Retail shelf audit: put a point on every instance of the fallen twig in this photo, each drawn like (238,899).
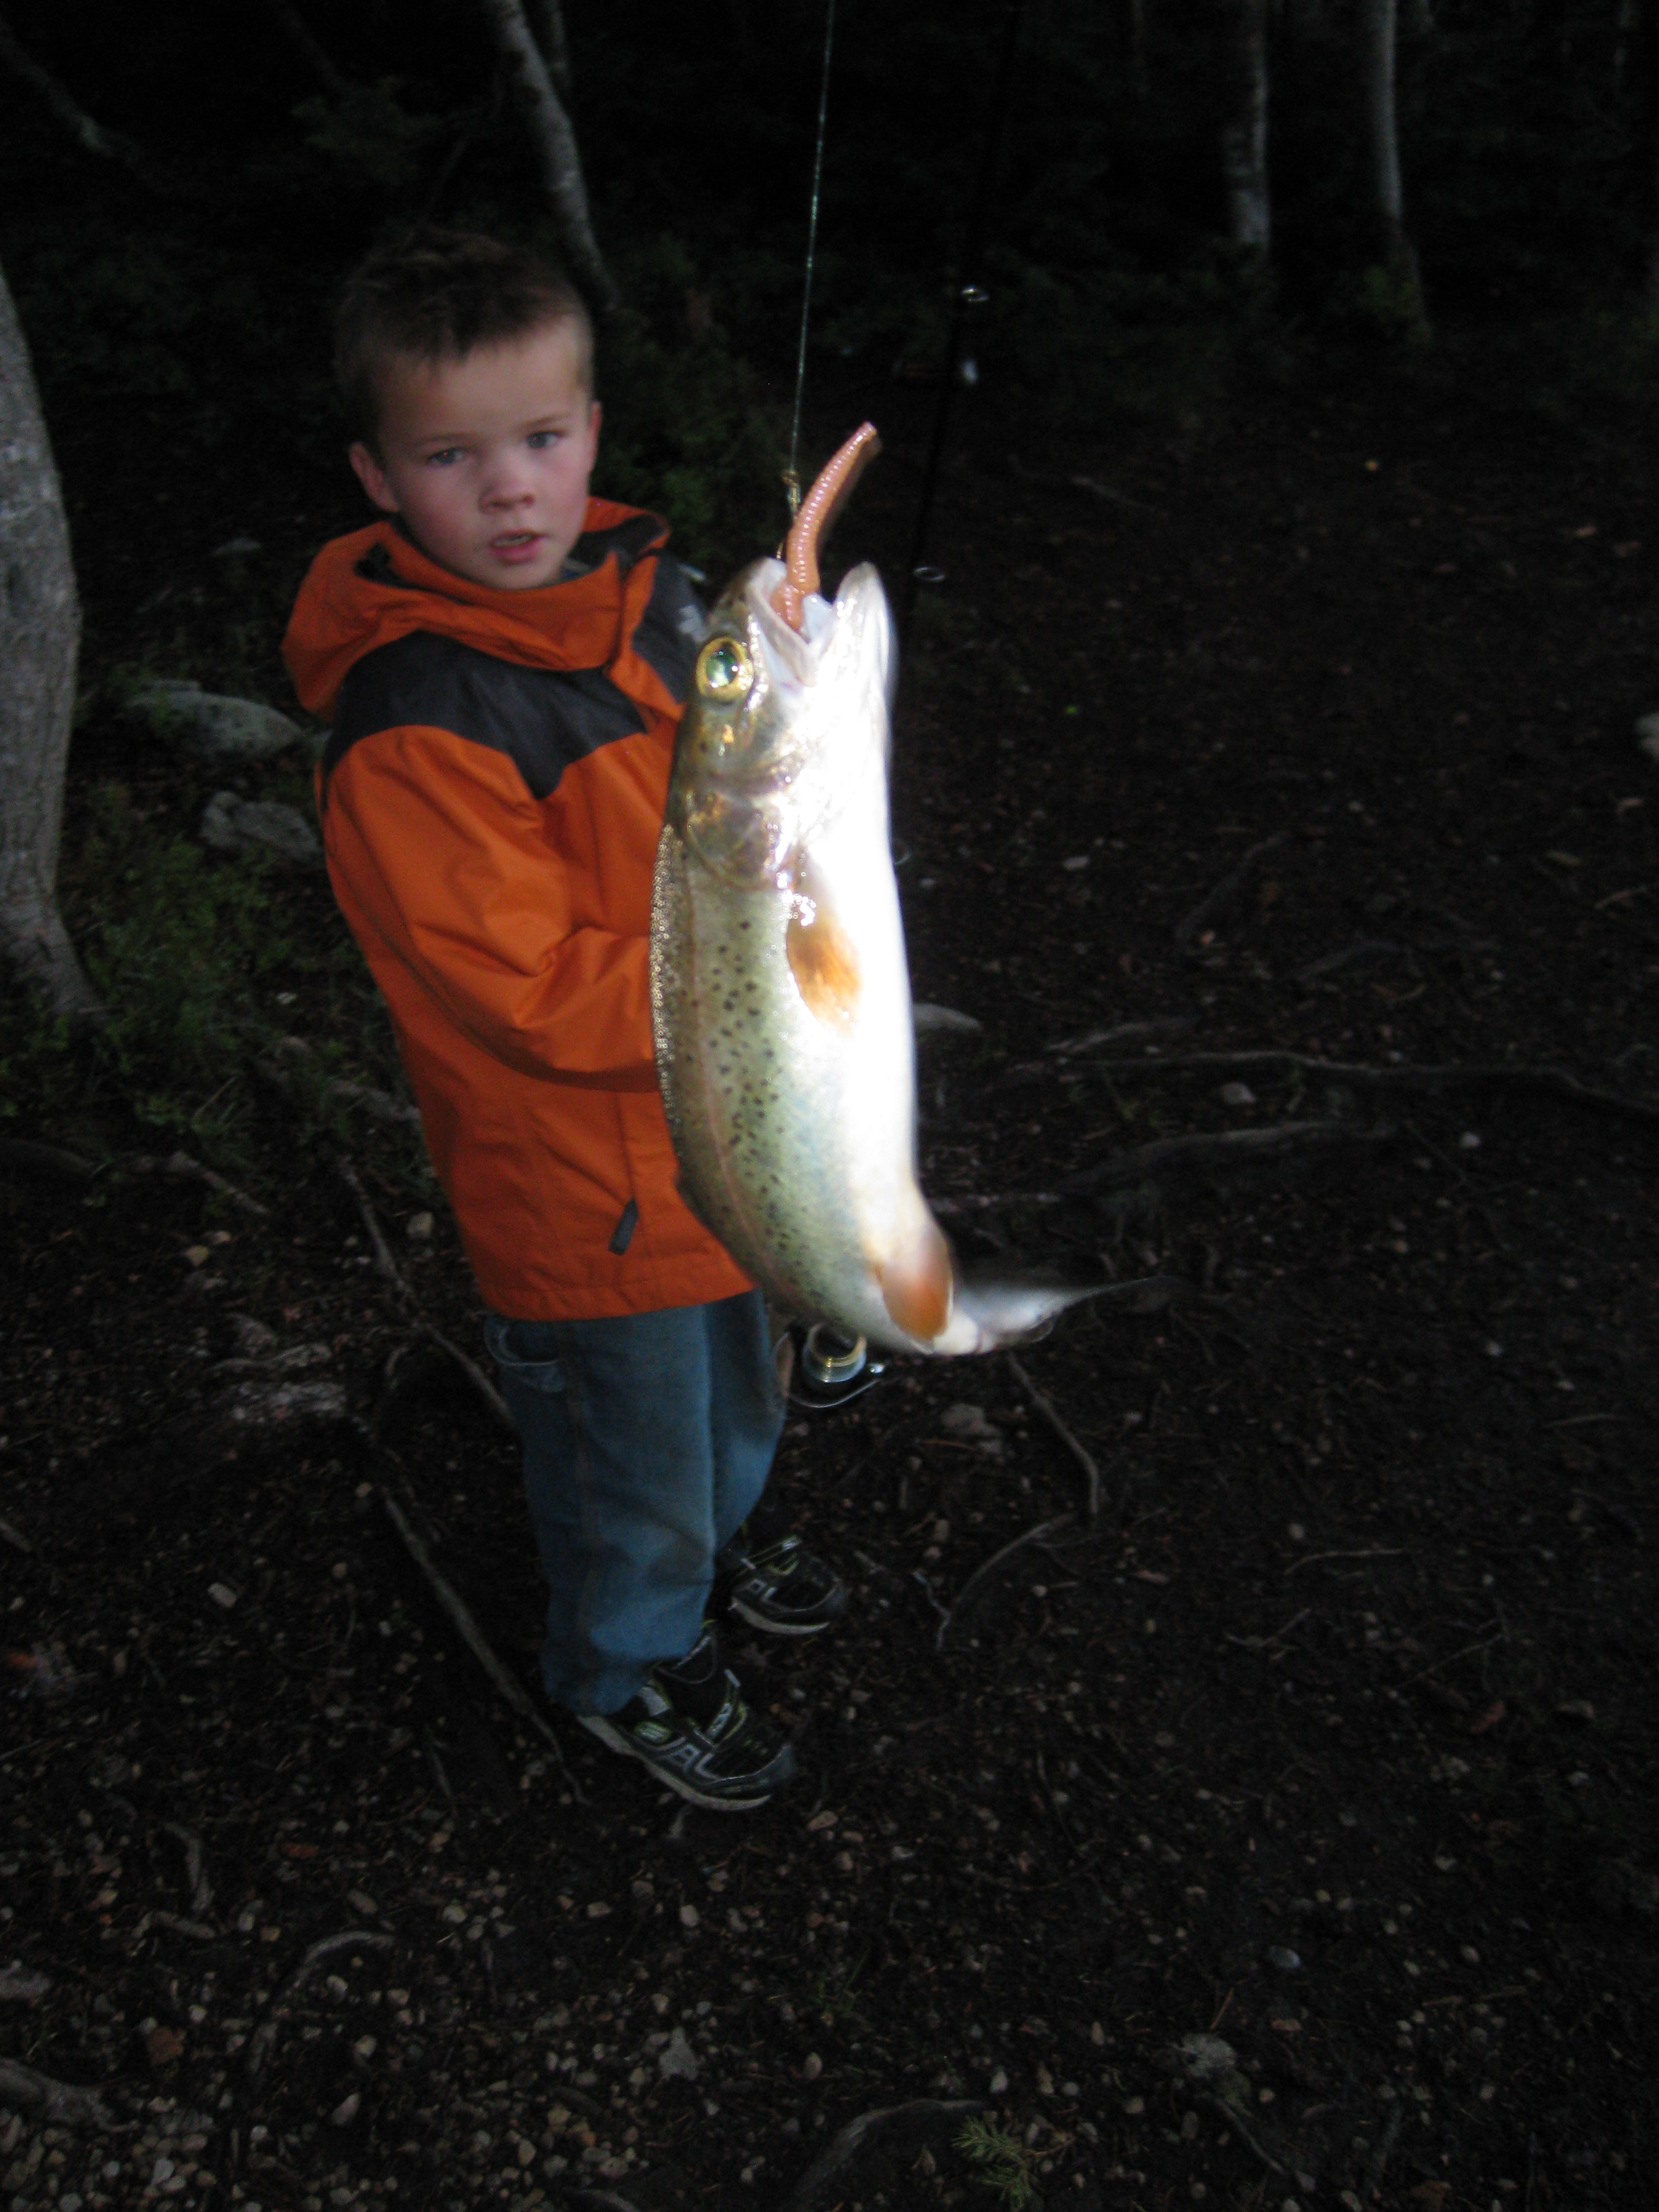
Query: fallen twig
(183,1168)
(15,1537)
(384,1262)
(1225,892)
(197,1930)
(56,1159)
(810,2188)
(1379,2158)
(1124,1033)
(64,2103)
(474,1374)
(1312,1559)
(1227,1147)
(1233,2119)
(1552,1081)
(1084,1459)
(1032,1536)
(474,1639)
(1265,1642)
(201,1889)
(264,2040)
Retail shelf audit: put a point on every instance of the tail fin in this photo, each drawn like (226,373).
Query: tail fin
(994,1306)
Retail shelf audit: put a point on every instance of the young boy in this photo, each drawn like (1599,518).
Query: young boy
(503,659)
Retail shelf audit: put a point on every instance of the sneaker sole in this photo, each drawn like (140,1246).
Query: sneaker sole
(597,1725)
(769,1625)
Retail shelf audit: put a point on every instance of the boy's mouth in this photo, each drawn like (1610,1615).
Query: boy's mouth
(513,542)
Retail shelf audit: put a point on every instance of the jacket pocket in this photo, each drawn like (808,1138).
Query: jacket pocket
(524,1350)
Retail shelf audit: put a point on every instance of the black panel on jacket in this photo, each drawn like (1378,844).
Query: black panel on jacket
(544,720)
(671,628)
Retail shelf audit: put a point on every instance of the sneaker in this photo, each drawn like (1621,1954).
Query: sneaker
(690,1725)
(781,1589)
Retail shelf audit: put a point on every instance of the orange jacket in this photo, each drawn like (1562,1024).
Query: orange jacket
(491,798)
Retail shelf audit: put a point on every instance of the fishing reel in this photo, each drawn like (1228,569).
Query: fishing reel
(831,1368)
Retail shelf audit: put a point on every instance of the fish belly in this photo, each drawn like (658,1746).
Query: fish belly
(792,1107)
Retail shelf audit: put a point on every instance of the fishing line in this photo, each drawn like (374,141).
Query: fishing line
(967,295)
(791,474)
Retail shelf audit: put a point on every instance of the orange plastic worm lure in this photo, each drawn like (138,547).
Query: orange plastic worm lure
(818,513)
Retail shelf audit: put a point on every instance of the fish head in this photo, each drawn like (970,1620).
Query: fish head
(782,726)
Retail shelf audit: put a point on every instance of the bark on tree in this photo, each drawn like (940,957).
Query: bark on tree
(1379,41)
(1244,134)
(39,636)
(63,103)
(555,144)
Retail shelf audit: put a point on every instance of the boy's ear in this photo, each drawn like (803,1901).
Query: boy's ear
(372,479)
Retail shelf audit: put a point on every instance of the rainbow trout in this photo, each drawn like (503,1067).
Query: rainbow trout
(780,994)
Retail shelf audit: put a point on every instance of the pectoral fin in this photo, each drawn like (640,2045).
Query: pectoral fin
(917,1284)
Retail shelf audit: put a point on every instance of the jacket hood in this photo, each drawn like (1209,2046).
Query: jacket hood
(375,585)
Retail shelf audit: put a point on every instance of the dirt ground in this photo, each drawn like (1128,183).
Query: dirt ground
(1284,1836)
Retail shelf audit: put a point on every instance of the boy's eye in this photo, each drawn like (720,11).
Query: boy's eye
(539,439)
(442,459)
(723,671)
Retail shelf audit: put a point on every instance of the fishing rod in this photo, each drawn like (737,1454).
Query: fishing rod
(968,295)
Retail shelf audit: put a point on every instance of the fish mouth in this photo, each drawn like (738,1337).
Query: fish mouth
(854,626)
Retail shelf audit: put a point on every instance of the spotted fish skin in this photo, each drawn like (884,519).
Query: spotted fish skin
(780,992)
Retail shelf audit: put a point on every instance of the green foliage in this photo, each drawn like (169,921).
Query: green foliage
(368,140)
(687,432)
(175,942)
(1004,2166)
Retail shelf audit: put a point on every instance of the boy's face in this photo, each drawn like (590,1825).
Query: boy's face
(487,458)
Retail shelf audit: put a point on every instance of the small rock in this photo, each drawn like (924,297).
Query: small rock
(1468,1142)
(418,1228)
(690,1916)
(346,2110)
(962,1420)
(812,2066)
(361,1901)
(1647,736)
(236,549)
(214,727)
(1286,1961)
(1076,865)
(677,2061)
(999,2082)
(1238,1094)
(253,1338)
(161,2046)
(231,825)
(820,1822)
(221,1593)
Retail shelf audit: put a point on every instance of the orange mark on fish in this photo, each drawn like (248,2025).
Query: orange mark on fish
(824,963)
(918,1283)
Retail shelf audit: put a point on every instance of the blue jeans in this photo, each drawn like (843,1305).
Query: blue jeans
(647,1440)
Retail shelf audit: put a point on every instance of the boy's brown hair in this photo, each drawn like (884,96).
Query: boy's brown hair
(433,295)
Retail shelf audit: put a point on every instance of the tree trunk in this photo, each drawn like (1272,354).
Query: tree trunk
(1244,135)
(1378,34)
(555,143)
(39,634)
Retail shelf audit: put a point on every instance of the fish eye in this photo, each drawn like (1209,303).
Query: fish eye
(725,671)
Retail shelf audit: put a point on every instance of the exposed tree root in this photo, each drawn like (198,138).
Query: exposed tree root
(1035,1535)
(1085,1458)
(264,2040)
(1225,892)
(475,1640)
(810,2191)
(62,2102)
(1499,1075)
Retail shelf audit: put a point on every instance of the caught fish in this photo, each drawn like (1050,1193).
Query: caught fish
(780,994)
